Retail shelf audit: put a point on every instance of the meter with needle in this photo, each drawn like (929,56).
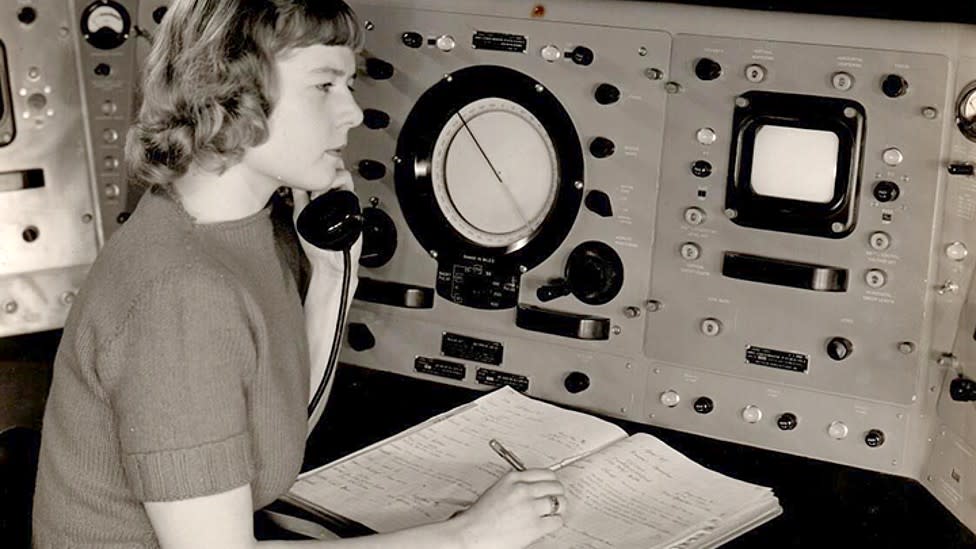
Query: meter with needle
(489,179)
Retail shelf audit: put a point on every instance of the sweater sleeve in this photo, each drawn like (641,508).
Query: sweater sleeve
(181,361)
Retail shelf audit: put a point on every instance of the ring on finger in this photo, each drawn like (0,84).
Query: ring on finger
(553,506)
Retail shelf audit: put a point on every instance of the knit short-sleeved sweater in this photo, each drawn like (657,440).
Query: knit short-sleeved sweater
(182,372)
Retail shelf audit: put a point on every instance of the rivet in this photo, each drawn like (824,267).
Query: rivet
(642,51)
(10,307)
(369,25)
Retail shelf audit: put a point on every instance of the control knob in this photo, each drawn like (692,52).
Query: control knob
(581,55)
(607,94)
(874,438)
(601,147)
(371,170)
(594,274)
(707,69)
(576,382)
(377,69)
(886,191)
(894,85)
(839,348)
(379,238)
(375,119)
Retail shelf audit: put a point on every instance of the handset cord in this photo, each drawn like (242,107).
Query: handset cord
(337,338)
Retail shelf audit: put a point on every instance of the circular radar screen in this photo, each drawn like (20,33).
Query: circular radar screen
(489,173)
(494,173)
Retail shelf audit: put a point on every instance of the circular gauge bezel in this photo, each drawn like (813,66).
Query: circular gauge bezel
(415,156)
(439,166)
(105,40)
(967,126)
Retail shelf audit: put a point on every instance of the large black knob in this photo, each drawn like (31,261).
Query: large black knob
(27,15)
(962,389)
(159,13)
(377,69)
(577,382)
(886,191)
(894,85)
(379,238)
(375,119)
(412,39)
(594,273)
(599,203)
(874,438)
(371,170)
(581,55)
(606,94)
(839,348)
(707,69)
(359,337)
(601,147)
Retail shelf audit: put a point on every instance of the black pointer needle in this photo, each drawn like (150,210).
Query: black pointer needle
(508,192)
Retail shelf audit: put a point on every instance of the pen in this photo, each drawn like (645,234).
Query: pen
(507,455)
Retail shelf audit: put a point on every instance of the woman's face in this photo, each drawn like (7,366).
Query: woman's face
(313,112)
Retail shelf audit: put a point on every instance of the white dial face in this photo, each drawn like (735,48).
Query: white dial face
(967,109)
(106,17)
(494,172)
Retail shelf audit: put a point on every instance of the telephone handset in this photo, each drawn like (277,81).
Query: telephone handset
(333,221)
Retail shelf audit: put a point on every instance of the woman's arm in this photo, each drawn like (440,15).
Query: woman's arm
(510,515)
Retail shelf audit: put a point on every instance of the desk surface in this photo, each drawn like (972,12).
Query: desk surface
(824,505)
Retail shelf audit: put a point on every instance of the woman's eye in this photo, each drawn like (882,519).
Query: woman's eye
(325,87)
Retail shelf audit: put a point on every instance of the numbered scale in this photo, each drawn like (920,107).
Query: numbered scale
(490,180)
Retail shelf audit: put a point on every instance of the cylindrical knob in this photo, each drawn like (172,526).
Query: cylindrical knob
(607,94)
(445,43)
(412,39)
(839,348)
(377,69)
(601,147)
(701,168)
(894,85)
(371,170)
(962,389)
(752,414)
(886,191)
(670,398)
(576,382)
(707,69)
(704,405)
(375,119)
(360,337)
(837,430)
(786,421)
(874,438)
(582,55)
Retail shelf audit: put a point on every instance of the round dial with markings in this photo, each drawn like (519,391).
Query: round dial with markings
(494,172)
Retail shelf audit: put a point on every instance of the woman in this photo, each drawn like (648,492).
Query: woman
(178,404)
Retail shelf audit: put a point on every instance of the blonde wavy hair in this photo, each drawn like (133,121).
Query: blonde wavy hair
(208,86)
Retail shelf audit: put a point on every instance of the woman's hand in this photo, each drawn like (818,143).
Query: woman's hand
(516,511)
(319,258)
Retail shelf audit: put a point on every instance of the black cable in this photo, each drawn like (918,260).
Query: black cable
(337,338)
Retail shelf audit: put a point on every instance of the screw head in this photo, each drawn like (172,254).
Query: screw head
(10,307)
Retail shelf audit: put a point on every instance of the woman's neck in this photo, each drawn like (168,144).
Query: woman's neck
(212,198)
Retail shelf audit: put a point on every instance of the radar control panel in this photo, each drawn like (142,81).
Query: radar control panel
(750,226)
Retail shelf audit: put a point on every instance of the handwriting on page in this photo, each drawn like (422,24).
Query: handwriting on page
(427,475)
(639,493)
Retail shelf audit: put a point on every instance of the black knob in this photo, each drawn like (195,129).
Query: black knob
(377,69)
(103,69)
(598,202)
(839,348)
(601,147)
(556,288)
(886,191)
(581,55)
(962,389)
(371,170)
(577,382)
(707,69)
(703,405)
(874,438)
(379,238)
(375,119)
(594,272)
(894,85)
(701,168)
(786,422)
(122,217)
(27,15)
(961,168)
(359,336)
(607,94)
(159,13)
(412,39)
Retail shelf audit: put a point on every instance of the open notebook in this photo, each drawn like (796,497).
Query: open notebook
(622,491)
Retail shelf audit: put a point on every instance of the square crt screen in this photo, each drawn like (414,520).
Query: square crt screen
(795,163)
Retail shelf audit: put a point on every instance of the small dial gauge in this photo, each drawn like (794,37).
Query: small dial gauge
(494,173)
(105,24)
(966,112)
